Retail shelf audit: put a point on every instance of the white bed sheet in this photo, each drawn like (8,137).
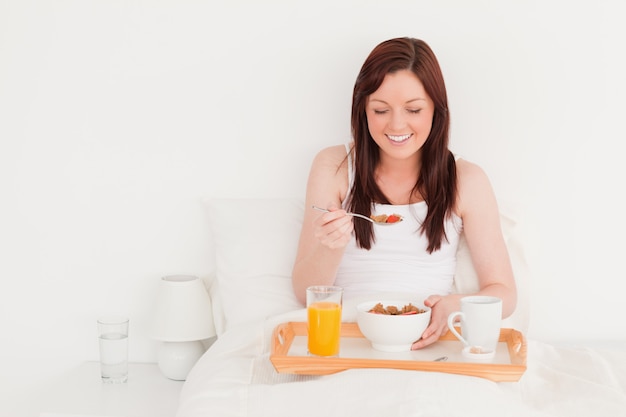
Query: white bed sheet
(236,378)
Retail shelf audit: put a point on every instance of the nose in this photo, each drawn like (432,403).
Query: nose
(397,121)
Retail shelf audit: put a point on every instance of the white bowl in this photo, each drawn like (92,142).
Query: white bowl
(392,333)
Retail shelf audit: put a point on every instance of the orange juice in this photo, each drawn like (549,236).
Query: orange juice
(324,328)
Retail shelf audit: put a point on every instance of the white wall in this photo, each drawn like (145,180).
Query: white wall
(116,117)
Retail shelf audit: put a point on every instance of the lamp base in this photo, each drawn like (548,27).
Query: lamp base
(176,359)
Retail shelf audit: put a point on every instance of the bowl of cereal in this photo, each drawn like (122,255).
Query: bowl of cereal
(392,325)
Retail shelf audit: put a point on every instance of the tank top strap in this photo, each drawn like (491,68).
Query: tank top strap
(350,166)
(350,174)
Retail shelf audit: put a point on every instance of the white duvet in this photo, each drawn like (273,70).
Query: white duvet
(236,378)
(253,263)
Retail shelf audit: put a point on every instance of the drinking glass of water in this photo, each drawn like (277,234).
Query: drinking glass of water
(113,337)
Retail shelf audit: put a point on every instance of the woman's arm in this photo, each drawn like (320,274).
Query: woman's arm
(483,233)
(478,208)
(324,236)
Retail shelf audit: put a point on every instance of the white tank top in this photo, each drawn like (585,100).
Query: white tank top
(398,261)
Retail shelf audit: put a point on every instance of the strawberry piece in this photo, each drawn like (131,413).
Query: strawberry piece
(393,218)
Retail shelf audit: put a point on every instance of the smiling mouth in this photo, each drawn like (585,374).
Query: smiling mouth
(399,138)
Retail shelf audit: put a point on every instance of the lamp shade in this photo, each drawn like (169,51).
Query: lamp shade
(183,310)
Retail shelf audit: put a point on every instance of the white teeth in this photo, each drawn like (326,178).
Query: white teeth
(399,138)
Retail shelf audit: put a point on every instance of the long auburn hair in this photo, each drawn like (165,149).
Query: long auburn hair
(437,181)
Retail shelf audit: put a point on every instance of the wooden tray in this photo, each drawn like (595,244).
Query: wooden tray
(289,355)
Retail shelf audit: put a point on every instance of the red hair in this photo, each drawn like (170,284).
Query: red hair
(437,178)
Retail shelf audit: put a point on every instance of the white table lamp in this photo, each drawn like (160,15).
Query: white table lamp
(182,319)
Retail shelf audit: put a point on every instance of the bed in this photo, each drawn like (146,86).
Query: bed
(253,248)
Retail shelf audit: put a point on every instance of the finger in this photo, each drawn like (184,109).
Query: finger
(431,330)
(344,233)
(432,333)
(338,227)
(432,300)
(336,233)
(424,341)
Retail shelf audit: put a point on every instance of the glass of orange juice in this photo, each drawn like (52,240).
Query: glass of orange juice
(324,319)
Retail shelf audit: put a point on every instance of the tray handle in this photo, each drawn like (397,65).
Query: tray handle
(517,347)
(281,338)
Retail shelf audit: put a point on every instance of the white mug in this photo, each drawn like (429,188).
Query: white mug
(481,319)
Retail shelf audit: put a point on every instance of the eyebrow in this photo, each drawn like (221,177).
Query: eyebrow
(408,101)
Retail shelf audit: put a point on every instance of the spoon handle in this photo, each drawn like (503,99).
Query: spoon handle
(348,213)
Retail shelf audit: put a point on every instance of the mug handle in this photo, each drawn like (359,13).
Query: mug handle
(451,318)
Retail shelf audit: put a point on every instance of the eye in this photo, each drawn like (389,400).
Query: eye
(414,111)
(380,111)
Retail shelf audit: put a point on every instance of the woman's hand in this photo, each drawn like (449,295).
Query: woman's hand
(441,307)
(333,229)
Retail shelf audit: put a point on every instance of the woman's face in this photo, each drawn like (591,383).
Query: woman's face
(400,114)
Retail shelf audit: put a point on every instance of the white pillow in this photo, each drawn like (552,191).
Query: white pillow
(255,242)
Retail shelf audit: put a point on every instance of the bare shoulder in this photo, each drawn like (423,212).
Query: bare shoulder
(328,179)
(474,187)
(332,155)
(330,162)
(469,172)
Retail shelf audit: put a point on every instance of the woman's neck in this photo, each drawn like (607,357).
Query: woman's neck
(397,179)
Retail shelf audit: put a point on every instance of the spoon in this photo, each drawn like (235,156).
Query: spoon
(360,216)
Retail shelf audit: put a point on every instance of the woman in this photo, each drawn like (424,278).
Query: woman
(399,163)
